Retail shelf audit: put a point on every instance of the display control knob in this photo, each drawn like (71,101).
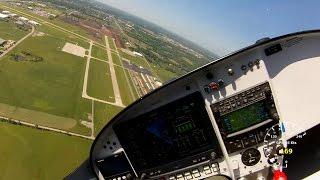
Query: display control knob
(250,64)
(220,82)
(230,72)
(243,67)
(257,62)
(207,89)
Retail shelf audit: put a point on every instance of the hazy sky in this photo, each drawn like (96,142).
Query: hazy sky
(224,26)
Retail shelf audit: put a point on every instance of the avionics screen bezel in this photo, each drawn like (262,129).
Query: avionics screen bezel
(235,129)
(237,102)
(202,120)
(112,161)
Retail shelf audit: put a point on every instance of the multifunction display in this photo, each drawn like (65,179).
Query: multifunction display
(176,135)
(244,118)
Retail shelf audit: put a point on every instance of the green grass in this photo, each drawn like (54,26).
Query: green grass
(136,96)
(9,31)
(123,86)
(67,37)
(139,61)
(36,117)
(115,58)
(163,74)
(52,86)
(99,81)
(103,113)
(99,53)
(111,44)
(28,153)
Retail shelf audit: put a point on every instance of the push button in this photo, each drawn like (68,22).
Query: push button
(196,173)
(180,177)
(188,175)
(207,170)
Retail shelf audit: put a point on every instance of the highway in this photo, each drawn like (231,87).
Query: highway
(17,43)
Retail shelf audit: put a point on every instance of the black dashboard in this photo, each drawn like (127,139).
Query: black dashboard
(176,135)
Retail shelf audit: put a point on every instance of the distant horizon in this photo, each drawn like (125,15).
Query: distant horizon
(170,31)
(222,27)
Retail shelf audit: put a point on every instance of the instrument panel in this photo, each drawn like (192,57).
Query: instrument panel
(231,118)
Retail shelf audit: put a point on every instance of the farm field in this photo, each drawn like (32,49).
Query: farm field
(99,83)
(28,153)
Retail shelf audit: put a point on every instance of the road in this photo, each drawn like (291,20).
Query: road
(115,85)
(45,128)
(17,43)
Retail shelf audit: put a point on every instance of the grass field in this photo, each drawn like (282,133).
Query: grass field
(111,43)
(99,82)
(132,85)
(99,53)
(163,74)
(52,86)
(28,153)
(123,86)
(103,113)
(8,30)
(115,58)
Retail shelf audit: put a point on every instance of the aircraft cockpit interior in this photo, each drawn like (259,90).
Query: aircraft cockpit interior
(253,114)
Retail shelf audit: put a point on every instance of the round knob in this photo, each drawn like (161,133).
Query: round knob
(279,175)
(243,67)
(230,72)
